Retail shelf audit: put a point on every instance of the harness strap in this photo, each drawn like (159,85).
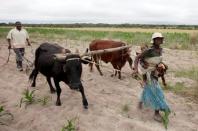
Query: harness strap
(70,59)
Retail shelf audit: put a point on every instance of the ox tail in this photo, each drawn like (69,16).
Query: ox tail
(130,61)
(91,61)
(37,53)
(34,71)
(31,77)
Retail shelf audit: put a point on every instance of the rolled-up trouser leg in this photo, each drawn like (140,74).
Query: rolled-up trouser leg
(19,57)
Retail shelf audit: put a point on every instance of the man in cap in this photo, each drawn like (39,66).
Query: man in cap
(17,38)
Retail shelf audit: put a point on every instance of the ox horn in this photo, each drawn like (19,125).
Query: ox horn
(60,56)
(105,50)
(77,51)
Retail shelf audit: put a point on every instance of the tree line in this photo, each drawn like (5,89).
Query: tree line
(81,25)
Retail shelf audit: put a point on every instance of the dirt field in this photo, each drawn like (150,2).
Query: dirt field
(108,98)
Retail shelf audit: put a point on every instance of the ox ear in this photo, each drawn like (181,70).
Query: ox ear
(86,60)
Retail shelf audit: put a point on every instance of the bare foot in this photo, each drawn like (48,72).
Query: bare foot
(158,118)
(140,105)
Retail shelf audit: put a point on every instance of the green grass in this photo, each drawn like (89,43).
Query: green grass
(190,92)
(27,98)
(165,118)
(70,125)
(1,109)
(176,40)
(178,88)
(3,112)
(125,108)
(44,101)
(191,74)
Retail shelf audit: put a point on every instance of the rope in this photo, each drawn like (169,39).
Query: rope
(103,66)
(32,50)
(29,64)
(70,59)
(24,58)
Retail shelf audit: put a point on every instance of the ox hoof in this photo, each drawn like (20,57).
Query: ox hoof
(58,103)
(33,85)
(121,78)
(53,91)
(85,104)
(112,75)
(85,107)
(101,74)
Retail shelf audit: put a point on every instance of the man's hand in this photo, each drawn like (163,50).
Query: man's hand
(145,65)
(9,46)
(9,43)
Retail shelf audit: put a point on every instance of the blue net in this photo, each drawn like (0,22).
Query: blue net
(153,97)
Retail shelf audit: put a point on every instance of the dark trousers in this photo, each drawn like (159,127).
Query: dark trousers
(19,56)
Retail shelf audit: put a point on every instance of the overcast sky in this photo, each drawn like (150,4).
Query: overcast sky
(100,11)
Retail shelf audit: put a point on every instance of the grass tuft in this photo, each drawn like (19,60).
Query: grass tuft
(70,125)
(125,108)
(28,98)
(3,112)
(44,100)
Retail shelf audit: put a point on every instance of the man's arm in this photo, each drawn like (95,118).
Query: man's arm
(9,43)
(9,36)
(138,57)
(27,38)
(28,41)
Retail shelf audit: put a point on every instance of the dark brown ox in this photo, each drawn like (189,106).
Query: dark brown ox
(117,58)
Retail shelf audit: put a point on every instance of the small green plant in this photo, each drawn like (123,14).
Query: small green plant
(44,100)
(28,97)
(4,113)
(70,125)
(165,118)
(1,109)
(125,108)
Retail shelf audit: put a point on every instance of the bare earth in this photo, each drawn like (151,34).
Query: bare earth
(107,96)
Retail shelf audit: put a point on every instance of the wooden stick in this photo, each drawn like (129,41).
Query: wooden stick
(108,50)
